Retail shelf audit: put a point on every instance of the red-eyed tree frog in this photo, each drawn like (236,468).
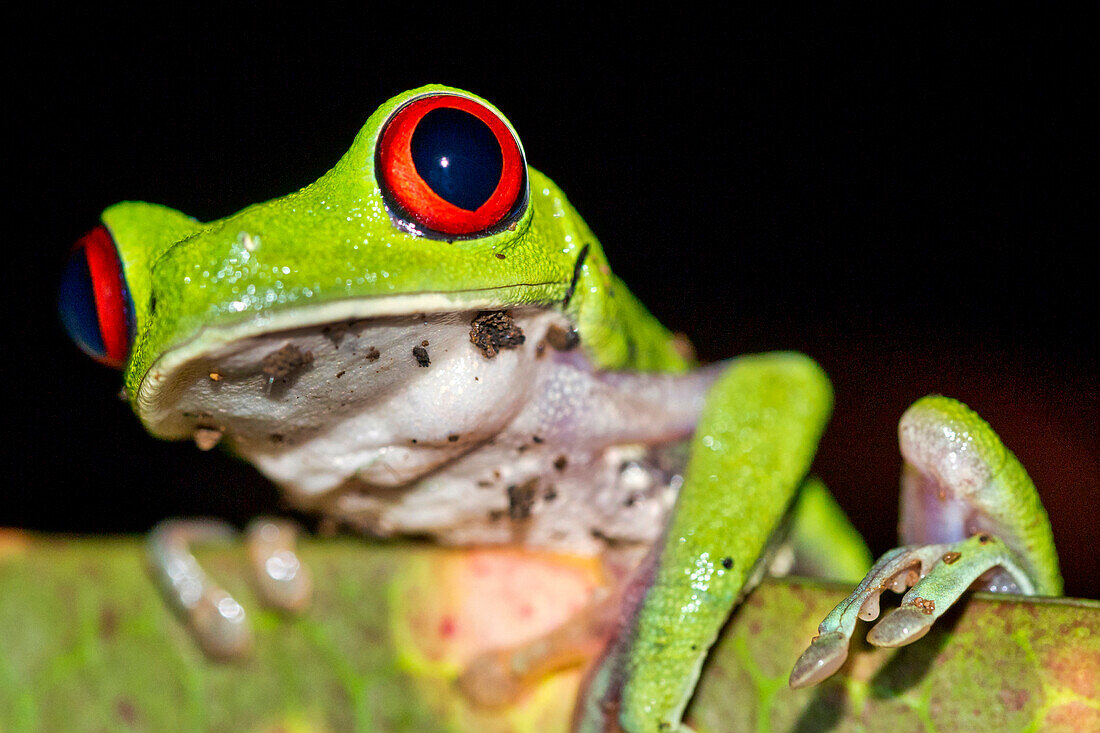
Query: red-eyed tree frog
(429,341)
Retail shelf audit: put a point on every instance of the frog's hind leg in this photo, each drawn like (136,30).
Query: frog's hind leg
(215,619)
(975,520)
(750,452)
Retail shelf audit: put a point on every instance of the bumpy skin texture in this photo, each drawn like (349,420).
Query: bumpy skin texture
(753,446)
(334,240)
(772,409)
(970,517)
(332,252)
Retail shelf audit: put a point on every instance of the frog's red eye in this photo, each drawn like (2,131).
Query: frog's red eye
(94,303)
(451,167)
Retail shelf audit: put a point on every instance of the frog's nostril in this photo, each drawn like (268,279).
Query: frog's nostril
(94,303)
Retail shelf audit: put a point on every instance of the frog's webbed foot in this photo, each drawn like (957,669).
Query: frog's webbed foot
(215,619)
(975,520)
(936,575)
(282,581)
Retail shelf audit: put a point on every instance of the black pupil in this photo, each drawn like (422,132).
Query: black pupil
(458,156)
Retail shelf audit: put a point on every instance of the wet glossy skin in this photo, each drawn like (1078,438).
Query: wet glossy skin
(502,387)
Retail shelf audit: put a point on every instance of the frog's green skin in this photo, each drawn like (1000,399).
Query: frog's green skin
(970,516)
(203,275)
(212,298)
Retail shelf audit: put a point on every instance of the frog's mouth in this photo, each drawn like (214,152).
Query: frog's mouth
(276,362)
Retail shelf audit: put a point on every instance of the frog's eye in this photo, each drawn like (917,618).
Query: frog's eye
(451,167)
(94,303)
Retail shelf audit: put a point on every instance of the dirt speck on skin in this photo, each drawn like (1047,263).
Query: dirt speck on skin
(492,331)
(335,332)
(560,463)
(925,605)
(207,437)
(286,362)
(421,356)
(521,499)
(372,354)
(562,339)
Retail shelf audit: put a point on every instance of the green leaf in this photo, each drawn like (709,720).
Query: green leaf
(86,643)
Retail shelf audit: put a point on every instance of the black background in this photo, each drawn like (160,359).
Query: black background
(904,199)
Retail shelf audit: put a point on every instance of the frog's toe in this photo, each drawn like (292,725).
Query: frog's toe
(220,626)
(957,566)
(901,627)
(282,580)
(896,570)
(214,618)
(824,656)
(939,574)
(975,520)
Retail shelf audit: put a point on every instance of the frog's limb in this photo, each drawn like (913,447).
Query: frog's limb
(933,592)
(215,618)
(752,448)
(282,581)
(974,518)
(821,541)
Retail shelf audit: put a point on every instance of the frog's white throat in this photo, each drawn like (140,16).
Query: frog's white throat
(469,426)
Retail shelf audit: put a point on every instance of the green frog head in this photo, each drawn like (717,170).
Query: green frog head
(432,210)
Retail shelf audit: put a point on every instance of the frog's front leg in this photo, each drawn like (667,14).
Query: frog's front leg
(215,619)
(970,516)
(751,450)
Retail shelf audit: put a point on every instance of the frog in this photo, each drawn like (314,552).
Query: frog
(429,342)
